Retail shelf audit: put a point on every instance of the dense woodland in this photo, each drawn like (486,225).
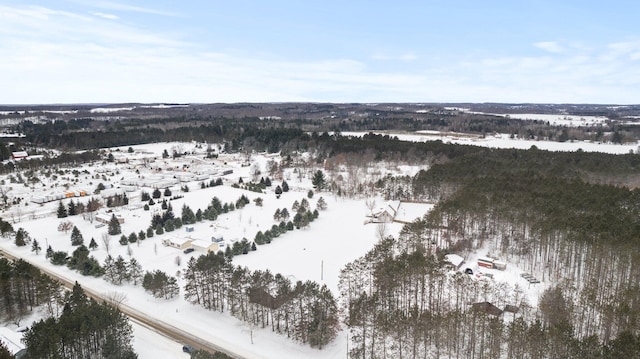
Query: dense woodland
(304,312)
(563,216)
(23,288)
(85,329)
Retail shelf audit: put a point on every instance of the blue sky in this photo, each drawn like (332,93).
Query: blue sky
(82,51)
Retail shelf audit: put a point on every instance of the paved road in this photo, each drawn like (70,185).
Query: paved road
(158,326)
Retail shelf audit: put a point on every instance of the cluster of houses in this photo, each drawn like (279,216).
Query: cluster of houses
(58,196)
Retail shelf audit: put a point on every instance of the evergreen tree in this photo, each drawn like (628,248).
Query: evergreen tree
(278,191)
(22,237)
(150,232)
(318,180)
(35,246)
(72,208)
(141,235)
(167,192)
(310,194)
(156,194)
(4,352)
(133,237)
(123,240)
(135,271)
(62,210)
(284,214)
(76,237)
(93,244)
(114,226)
(188,217)
(321,204)
(285,186)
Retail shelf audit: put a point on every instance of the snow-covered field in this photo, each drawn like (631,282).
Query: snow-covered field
(505,141)
(317,253)
(553,119)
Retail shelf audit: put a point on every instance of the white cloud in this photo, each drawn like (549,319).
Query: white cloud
(116,6)
(51,56)
(549,46)
(105,15)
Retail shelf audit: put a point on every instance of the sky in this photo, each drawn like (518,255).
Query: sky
(103,51)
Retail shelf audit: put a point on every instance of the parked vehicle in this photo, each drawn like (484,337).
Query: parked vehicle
(188,348)
(188,250)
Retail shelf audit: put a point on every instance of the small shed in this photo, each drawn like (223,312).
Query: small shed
(17,155)
(175,242)
(455,260)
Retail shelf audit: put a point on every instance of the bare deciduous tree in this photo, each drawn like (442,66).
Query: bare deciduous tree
(65,226)
(106,241)
(116,298)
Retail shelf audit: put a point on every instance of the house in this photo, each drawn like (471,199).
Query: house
(18,155)
(203,246)
(455,260)
(387,213)
(179,243)
(13,341)
(486,308)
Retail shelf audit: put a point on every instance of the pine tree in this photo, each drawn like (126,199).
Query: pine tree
(188,217)
(22,237)
(93,244)
(318,180)
(278,191)
(35,246)
(114,226)
(135,271)
(72,208)
(285,186)
(76,237)
(123,240)
(62,210)
(321,204)
(133,237)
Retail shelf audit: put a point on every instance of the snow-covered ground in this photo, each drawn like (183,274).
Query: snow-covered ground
(317,253)
(553,119)
(505,141)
